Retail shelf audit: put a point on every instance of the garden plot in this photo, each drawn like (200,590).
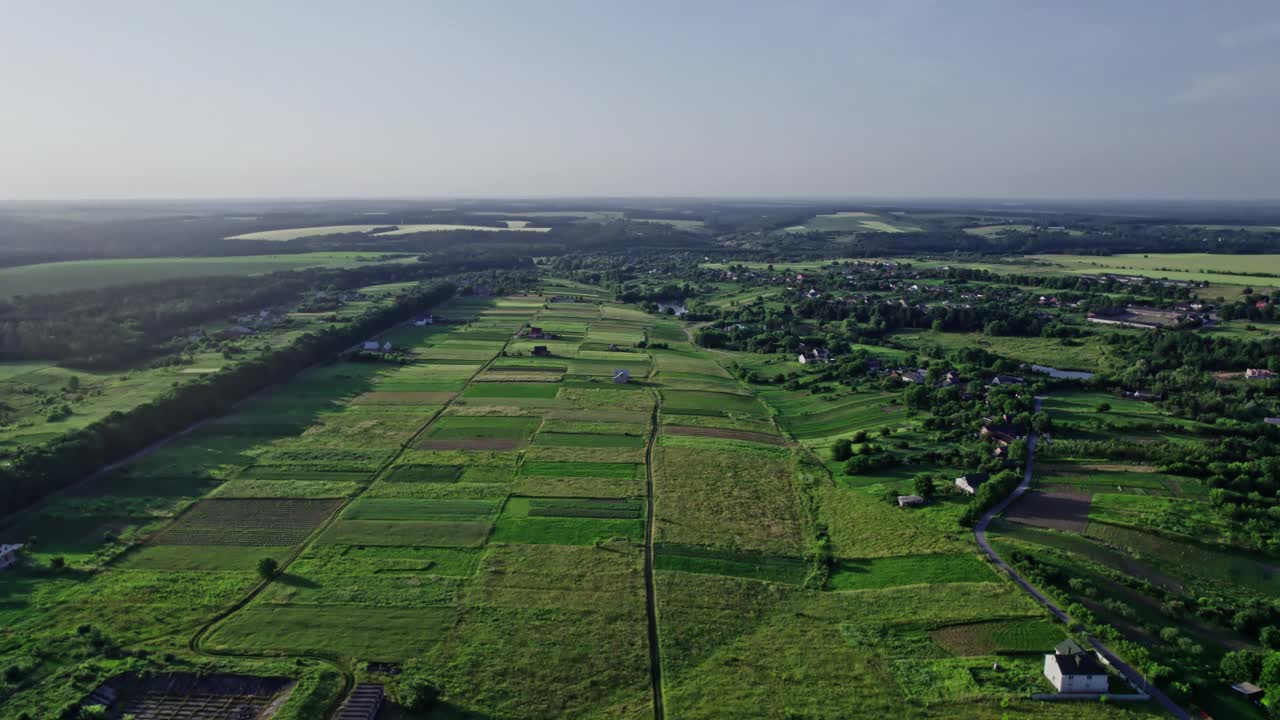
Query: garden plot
(437,533)
(723,433)
(908,570)
(511,390)
(247,522)
(694,402)
(371,633)
(562,577)
(809,417)
(742,564)
(568,521)
(1064,510)
(454,432)
(428,400)
(1000,636)
(413,509)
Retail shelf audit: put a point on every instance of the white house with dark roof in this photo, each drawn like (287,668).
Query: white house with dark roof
(1072,670)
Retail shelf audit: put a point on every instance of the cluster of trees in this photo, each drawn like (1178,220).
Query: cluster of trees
(35,471)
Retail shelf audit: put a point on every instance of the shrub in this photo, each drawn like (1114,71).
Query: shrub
(268,567)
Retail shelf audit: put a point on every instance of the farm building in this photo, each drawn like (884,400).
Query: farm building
(8,555)
(1258,374)
(1249,691)
(814,355)
(622,375)
(372,345)
(541,350)
(910,501)
(1074,671)
(909,376)
(535,333)
(428,320)
(970,482)
(1007,380)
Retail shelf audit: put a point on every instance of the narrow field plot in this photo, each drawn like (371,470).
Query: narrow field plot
(579,454)
(754,566)
(757,425)
(478,433)
(247,522)
(564,426)
(306,584)
(589,440)
(617,471)
(390,559)
(542,390)
(588,487)
(200,557)
(430,400)
(575,507)
(694,362)
(534,521)
(268,473)
(694,402)
(424,473)
(724,434)
(410,534)
(416,509)
(324,459)
(622,399)
(245,488)
(1193,519)
(1001,636)
(885,572)
(507,375)
(387,634)
(1056,510)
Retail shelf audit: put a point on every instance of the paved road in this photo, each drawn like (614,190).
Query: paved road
(980,534)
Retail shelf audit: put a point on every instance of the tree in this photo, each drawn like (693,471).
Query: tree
(924,486)
(841,449)
(411,689)
(57,563)
(1269,677)
(1104,407)
(1270,637)
(1241,665)
(268,567)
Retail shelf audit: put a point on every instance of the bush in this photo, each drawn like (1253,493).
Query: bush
(268,567)
(842,449)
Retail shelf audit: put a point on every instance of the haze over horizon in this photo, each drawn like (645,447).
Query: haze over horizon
(485,99)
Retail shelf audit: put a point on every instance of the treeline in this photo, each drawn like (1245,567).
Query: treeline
(118,326)
(37,471)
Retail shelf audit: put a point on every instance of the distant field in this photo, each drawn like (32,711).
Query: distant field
(853,221)
(91,274)
(1206,267)
(295,233)
(688,225)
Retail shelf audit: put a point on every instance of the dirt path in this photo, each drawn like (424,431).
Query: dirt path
(650,594)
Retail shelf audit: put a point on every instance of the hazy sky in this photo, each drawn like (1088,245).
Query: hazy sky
(968,98)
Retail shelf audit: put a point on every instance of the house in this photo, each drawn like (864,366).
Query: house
(1002,433)
(428,320)
(1271,420)
(535,333)
(814,355)
(8,555)
(1007,380)
(621,375)
(1075,671)
(911,376)
(372,346)
(1258,374)
(613,347)
(1249,691)
(386,346)
(952,378)
(970,482)
(873,364)
(1141,395)
(910,501)
(541,350)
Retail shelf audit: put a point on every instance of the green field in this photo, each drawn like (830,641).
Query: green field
(1212,268)
(94,274)
(295,233)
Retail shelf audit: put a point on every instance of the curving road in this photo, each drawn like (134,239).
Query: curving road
(980,534)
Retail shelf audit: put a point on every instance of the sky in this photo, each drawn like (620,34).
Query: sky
(476,98)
